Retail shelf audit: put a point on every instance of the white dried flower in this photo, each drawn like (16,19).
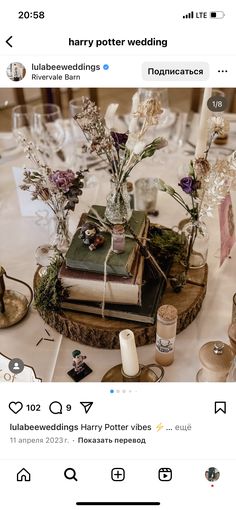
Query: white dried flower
(139,147)
(219,125)
(170,190)
(133,126)
(135,102)
(161,185)
(217,185)
(150,110)
(110,115)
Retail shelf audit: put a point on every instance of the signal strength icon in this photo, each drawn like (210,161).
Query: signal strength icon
(189,15)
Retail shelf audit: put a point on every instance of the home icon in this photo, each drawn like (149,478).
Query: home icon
(23,476)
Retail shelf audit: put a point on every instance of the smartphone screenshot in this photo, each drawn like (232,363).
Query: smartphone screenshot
(117,255)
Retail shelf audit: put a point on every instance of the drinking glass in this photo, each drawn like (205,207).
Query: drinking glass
(82,159)
(162,96)
(146,195)
(177,133)
(75,107)
(21,122)
(48,130)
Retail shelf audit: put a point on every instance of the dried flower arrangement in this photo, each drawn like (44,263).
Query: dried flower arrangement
(59,189)
(206,184)
(122,151)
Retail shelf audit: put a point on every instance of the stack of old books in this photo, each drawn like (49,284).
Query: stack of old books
(128,293)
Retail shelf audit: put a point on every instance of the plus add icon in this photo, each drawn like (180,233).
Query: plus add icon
(117,474)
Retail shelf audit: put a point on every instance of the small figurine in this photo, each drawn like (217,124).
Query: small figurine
(80,370)
(90,235)
(78,361)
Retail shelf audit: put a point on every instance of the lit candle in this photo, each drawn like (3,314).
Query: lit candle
(129,356)
(202,137)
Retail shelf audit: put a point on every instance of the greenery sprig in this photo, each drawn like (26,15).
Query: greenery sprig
(50,292)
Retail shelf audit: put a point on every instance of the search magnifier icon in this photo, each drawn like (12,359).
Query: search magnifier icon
(70,474)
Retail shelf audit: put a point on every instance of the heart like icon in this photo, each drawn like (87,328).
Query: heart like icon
(15,407)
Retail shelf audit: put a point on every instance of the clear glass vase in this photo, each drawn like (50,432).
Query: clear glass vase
(196,246)
(118,209)
(61,238)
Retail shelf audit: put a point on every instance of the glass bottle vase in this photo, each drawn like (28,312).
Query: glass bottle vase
(196,244)
(61,238)
(118,209)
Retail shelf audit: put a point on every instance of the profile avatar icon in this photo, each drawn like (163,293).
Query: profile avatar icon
(212,474)
(16,71)
(80,369)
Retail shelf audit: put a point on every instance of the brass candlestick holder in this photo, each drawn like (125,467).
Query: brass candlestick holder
(13,305)
(145,374)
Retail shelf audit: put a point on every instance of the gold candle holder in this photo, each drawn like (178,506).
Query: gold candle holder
(13,305)
(145,374)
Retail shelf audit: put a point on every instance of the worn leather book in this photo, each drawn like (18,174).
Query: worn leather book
(151,294)
(81,258)
(89,286)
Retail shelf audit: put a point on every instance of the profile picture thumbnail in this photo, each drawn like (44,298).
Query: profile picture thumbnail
(16,71)
(212,474)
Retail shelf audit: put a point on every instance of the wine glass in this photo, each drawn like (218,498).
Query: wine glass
(21,122)
(79,139)
(160,95)
(48,130)
(83,160)
(177,134)
(75,107)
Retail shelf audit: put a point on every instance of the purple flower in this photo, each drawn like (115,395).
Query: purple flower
(63,179)
(187,184)
(119,139)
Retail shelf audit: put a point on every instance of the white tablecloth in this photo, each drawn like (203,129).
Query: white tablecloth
(21,235)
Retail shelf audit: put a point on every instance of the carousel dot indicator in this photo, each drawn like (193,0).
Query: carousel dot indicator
(112,391)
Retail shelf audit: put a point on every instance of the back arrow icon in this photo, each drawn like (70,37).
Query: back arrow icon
(7,41)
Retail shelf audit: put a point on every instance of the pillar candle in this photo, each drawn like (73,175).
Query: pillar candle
(129,356)
(202,136)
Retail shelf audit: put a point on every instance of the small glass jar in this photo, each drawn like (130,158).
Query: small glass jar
(118,239)
(165,334)
(197,240)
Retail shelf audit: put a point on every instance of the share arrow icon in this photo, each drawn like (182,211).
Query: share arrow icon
(87,406)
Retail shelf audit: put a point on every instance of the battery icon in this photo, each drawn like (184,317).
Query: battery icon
(217,14)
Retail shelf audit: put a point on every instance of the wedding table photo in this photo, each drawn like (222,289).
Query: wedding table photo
(117,250)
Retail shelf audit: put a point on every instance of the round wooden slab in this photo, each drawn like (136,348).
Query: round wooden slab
(98,332)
